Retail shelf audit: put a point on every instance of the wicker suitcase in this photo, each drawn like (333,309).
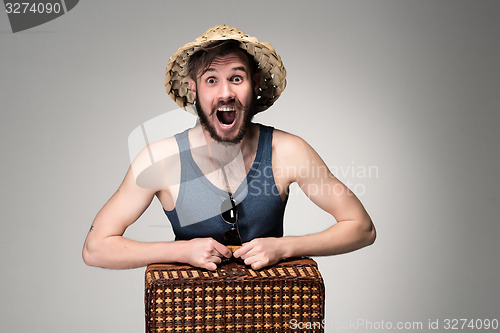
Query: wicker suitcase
(234,298)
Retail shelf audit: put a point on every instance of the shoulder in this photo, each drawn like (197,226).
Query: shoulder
(155,152)
(291,153)
(150,164)
(287,145)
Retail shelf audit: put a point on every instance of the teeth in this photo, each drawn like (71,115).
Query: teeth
(226,109)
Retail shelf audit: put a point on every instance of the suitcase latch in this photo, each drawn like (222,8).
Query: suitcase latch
(233,272)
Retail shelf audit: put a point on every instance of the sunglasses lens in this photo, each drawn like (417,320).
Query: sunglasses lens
(232,237)
(229,211)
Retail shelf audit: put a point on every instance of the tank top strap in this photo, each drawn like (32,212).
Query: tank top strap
(264,150)
(267,139)
(182,141)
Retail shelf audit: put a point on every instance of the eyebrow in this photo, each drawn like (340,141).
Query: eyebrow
(234,69)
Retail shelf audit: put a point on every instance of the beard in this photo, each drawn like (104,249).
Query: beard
(248,113)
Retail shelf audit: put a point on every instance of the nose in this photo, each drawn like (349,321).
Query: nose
(226,91)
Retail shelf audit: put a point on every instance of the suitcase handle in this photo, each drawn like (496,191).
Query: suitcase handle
(233,248)
(232,266)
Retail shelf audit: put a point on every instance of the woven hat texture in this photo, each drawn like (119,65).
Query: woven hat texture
(273,73)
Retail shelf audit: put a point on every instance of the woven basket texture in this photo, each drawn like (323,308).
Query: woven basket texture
(187,299)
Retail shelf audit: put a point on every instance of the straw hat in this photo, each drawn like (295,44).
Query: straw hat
(273,73)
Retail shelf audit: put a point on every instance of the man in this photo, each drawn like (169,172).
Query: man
(226,77)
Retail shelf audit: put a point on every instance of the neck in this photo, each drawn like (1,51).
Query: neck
(237,159)
(248,145)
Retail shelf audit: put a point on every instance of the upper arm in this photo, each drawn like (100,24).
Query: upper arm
(303,165)
(154,169)
(123,208)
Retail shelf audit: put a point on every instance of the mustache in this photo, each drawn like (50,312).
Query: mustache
(231,102)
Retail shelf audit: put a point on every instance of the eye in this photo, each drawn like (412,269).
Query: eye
(211,80)
(237,79)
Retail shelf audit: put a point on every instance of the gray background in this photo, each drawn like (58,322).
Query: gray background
(408,87)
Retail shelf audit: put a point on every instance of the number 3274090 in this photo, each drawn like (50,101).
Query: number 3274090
(32,8)
(473,324)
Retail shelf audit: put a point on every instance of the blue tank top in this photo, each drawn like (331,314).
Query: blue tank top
(260,207)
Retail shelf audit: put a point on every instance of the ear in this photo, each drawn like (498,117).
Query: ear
(256,82)
(192,86)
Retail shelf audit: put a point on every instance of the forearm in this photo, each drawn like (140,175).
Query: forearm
(343,237)
(117,252)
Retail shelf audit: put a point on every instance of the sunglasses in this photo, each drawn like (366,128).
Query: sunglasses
(229,213)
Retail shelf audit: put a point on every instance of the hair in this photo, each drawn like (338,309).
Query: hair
(201,60)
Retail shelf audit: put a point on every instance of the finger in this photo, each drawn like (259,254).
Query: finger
(210,266)
(261,263)
(250,260)
(242,250)
(257,265)
(251,252)
(216,259)
(222,250)
(215,253)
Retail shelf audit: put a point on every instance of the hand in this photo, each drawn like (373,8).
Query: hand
(261,252)
(205,253)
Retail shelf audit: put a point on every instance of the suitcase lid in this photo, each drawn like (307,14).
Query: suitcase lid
(293,268)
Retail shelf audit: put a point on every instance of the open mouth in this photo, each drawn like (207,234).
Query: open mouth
(226,115)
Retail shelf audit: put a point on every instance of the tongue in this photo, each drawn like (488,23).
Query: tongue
(226,117)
